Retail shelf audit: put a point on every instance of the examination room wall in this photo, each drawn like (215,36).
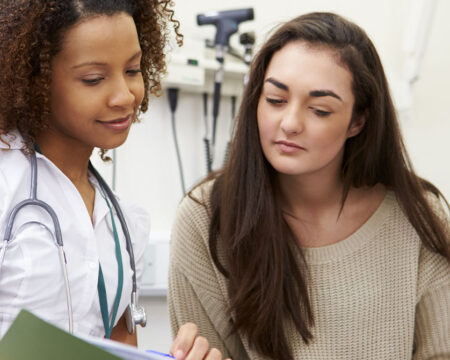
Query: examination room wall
(147,171)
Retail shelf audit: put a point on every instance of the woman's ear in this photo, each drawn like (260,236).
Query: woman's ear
(356,126)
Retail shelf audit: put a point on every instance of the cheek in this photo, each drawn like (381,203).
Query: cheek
(331,138)
(265,126)
(68,102)
(62,102)
(67,95)
(263,131)
(139,92)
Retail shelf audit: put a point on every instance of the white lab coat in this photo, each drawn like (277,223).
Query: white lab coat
(31,275)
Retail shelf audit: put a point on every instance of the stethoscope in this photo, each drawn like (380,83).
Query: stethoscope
(135,315)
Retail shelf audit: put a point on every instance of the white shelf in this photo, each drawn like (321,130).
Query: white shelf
(152,291)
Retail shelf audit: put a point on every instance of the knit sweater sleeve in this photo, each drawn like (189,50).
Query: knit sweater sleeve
(185,306)
(196,291)
(432,329)
(432,326)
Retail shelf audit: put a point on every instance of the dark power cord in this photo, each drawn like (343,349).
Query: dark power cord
(206,141)
(172,94)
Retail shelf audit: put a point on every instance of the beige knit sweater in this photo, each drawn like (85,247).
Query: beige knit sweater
(378,294)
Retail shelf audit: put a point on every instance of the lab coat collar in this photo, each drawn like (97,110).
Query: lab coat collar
(101,208)
(13,140)
(16,142)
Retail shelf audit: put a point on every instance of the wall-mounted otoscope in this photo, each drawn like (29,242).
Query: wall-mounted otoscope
(248,40)
(226,23)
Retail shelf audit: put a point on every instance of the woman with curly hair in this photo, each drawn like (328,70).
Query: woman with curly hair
(75,74)
(317,240)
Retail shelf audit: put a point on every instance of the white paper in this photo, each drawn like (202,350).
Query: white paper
(126,352)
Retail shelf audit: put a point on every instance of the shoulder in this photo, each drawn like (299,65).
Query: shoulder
(200,194)
(400,239)
(434,269)
(12,140)
(3,190)
(12,158)
(436,204)
(440,208)
(194,208)
(397,218)
(14,166)
(135,213)
(394,226)
(138,220)
(190,231)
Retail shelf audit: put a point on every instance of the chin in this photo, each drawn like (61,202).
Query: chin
(290,170)
(112,142)
(288,166)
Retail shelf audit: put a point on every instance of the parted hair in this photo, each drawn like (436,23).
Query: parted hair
(31,33)
(267,273)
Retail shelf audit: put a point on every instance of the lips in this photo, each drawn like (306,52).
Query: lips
(118,120)
(288,147)
(118,124)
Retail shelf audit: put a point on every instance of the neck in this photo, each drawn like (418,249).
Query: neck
(310,196)
(67,155)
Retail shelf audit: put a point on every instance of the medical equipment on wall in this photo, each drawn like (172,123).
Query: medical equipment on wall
(248,40)
(172,94)
(192,73)
(416,36)
(134,314)
(208,155)
(231,125)
(226,23)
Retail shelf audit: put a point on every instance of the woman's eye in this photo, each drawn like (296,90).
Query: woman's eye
(275,101)
(134,71)
(93,81)
(321,113)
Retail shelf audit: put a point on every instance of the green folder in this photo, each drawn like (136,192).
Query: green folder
(32,338)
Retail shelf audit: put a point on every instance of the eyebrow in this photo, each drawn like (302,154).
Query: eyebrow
(320,93)
(314,93)
(277,84)
(96,63)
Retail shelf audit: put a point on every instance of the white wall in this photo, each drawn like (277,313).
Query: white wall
(147,168)
(428,130)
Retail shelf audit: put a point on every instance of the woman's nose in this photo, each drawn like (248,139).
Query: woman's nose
(121,94)
(292,122)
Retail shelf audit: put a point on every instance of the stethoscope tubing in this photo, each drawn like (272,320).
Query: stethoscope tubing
(33,201)
(123,224)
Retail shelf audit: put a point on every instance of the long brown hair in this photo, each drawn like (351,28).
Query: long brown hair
(31,34)
(267,287)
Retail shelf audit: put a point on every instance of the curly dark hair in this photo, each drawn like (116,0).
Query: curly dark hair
(31,33)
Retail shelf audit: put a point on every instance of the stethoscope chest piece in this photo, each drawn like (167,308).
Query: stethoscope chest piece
(135,315)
